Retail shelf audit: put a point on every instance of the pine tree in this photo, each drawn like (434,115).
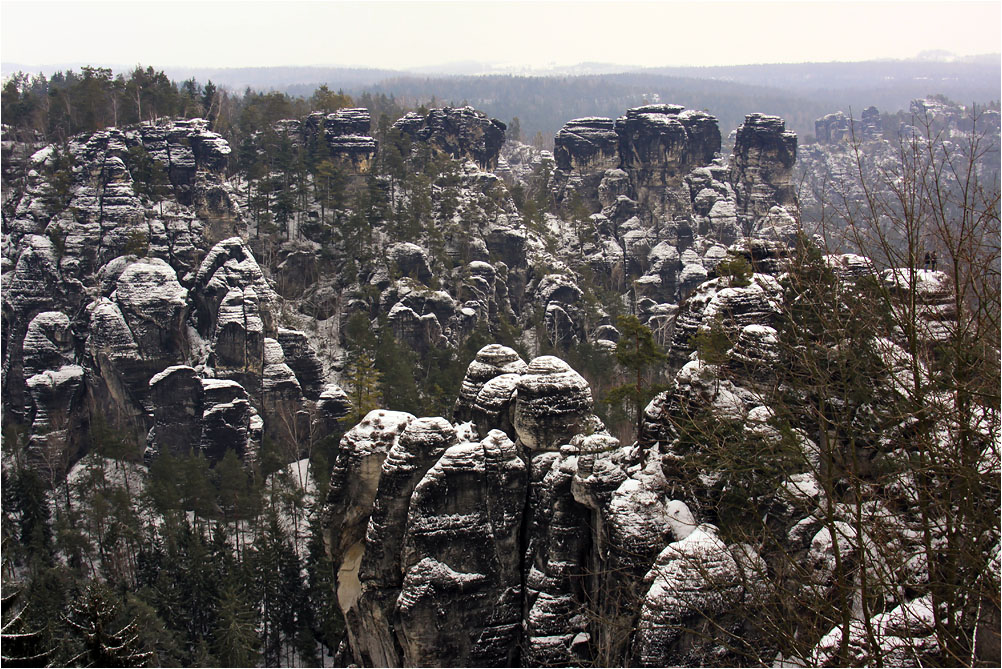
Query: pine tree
(325,613)
(210,106)
(331,184)
(637,352)
(235,641)
(149,178)
(22,646)
(712,343)
(27,516)
(103,641)
(233,485)
(364,381)
(267,565)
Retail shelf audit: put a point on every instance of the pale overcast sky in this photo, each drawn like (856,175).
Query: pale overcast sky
(412,34)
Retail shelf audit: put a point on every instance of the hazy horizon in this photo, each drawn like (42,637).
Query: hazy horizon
(522,36)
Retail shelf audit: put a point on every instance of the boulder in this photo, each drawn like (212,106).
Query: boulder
(409,260)
(48,343)
(491,361)
(696,601)
(155,307)
(333,406)
(551,404)
(493,407)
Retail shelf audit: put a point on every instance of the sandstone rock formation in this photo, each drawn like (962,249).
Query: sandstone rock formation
(460,132)
(762,168)
(491,361)
(160,316)
(519,530)
(551,404)
(659,145)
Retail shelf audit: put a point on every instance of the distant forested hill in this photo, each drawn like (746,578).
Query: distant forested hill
(545,104)
(799,92)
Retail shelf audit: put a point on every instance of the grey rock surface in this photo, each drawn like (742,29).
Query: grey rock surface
(461,132)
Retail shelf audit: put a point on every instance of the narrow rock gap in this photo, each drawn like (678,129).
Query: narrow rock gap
(523,545)
(100,205)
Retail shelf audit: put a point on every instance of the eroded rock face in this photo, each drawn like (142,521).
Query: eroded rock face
(431,509)
(585,149)
(195,415)
(228,266)
(694,583)
(56,429)
(837,127)
(344,133)
(472,497)
(120,387)
(229,421)
(283,402)
(563,318)
(233,310)
(31,288)
(332,406)
(905,637)
(303,361)
(414,452)
(354,481)
(762,168)
(347,133)
(658,146)
(176,395)
(48,344)
(410,260)
(587,144)
(493,407)
(460,132)
(155,306)
(491,361)
(551,404)
(871,125)
(420,332)
(557,552)
(108,208)
(524,535)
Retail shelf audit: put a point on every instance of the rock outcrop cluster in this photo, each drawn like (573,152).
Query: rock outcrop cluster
(346,133)
(462,132)
(666,205)
(571,521)
(643,155)
(838,127)
(762,169)
(519,530)
(122,315)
